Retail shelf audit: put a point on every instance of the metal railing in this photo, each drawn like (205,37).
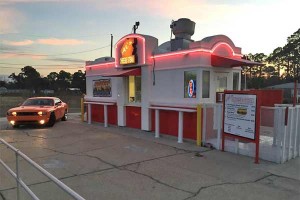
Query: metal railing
(39,168)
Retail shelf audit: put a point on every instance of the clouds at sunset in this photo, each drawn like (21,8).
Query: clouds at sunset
(18,43)
(55,41)
(8,55)
(45,41)
(41,31)
(10,19)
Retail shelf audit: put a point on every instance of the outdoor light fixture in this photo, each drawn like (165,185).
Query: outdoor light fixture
(135,26)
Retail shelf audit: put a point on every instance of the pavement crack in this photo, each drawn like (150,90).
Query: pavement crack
(101,160)
(2,196)
(61,152)
(279,176)
(227,183)
(34,136)
(158,181)
(123,167)
(260,179)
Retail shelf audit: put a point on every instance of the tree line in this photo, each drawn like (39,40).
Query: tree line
(281,66)
(29,78)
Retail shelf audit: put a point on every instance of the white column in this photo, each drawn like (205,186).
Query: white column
(180,126)
(89,113)
(121,99)
(146,95)
(276,126)
(219,125)
(156,123)
(105,115)
(204,125)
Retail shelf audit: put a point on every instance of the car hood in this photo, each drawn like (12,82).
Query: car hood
(31,109)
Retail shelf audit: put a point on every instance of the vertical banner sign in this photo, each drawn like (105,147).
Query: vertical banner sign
(240,115)
(102,88)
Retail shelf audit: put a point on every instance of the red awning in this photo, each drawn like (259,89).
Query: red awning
(221,61)
(123,72)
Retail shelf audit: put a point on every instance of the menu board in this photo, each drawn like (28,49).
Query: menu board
(240,114)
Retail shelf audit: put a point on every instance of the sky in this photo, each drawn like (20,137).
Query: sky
(54,35)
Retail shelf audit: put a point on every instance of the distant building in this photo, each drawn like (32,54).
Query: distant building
(288,90)
(3,90)
(47,91)
(5,78)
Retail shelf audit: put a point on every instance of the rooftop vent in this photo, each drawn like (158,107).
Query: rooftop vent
(183,29)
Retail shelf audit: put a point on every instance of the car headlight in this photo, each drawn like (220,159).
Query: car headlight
(9,113)
(41,113)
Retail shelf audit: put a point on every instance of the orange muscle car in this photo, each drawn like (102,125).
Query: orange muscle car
(38,110)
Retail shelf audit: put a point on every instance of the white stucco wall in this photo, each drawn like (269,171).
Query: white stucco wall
(89,89)
(169,88)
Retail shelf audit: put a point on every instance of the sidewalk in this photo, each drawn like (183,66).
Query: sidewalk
(121,163)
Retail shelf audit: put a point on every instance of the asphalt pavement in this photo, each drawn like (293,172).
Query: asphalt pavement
(123,163)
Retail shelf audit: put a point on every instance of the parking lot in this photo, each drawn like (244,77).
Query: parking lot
(122,163)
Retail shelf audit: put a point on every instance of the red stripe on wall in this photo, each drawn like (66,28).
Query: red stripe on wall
(98,114)
(133,117)
(112,112)
(190,125)
(169,123)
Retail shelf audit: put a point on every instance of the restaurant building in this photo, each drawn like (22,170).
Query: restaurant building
(158,87)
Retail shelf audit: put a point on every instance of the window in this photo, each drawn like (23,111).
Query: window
(205,84)
(236,80)
(190,83)
(134,89)
(221,82)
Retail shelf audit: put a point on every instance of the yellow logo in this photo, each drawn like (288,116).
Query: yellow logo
(127,52)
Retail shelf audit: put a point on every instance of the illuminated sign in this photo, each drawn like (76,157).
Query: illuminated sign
(128,52)
(190,80)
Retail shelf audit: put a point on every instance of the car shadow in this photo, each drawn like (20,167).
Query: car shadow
(31,126)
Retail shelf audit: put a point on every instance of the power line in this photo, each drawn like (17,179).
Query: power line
(41,36)
(29,54)
(34,64)
(59,67)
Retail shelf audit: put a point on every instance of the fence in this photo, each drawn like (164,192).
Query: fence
(19,181)
(279,133)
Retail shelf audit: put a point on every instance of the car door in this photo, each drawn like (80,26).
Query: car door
(61,108)
(58,108)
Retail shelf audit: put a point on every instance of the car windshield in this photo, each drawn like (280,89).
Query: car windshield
(38,102)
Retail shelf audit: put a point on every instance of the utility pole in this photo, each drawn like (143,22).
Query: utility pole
(111,44)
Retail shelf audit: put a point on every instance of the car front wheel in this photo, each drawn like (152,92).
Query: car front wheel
(65,117)
(52,120)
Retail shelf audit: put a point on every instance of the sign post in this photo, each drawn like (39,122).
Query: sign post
(241,117)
